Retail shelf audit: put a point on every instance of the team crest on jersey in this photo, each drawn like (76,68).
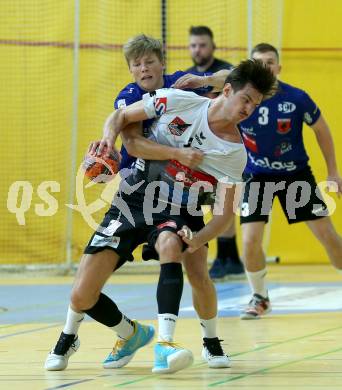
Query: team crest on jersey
(286,107)
(177,126)
(160,105)
(284,126)
(250,143)
(283,148)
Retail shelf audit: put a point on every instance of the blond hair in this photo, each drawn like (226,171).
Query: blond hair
(140,45)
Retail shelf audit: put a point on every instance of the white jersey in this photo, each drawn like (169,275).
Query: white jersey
(182,121)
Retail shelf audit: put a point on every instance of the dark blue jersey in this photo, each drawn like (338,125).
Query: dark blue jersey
(133,93)
(273,134)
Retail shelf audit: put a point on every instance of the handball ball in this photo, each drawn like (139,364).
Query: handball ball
(101,169)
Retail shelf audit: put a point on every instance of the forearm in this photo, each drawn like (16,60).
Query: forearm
(217,79)
(326,145)
(122,117)
(144,148)
(214,228)
(113,125)
(223,213)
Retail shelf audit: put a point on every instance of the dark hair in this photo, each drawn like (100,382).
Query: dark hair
(264,48)
(252,72)
(201,30)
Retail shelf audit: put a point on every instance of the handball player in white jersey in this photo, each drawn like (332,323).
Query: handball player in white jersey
(170,218)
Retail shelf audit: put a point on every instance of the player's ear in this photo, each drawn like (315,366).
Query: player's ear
(227,89)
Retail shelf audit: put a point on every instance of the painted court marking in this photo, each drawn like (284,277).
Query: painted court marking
(241,376)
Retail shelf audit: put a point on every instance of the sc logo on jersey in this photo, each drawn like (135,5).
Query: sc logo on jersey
(160,105)
(286,107)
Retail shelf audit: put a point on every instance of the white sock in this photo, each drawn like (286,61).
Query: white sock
(166,326)
(208,327)
(124,329)
(257,282)
(73,322)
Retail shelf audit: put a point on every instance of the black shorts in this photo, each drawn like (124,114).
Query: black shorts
(298,193)
(122,232)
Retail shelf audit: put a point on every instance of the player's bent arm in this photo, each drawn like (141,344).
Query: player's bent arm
(127,115)
(139,146)
(217,79)
(193,81)
(117,121)
(223,215)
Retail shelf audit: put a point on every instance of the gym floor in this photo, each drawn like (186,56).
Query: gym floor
(297,346)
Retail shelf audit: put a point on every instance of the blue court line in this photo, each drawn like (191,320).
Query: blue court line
(30,331)
(263,347)
(267,369)
(69,384)
(76,382)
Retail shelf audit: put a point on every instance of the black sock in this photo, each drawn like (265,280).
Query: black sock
(170,288)
(226,247)
(105,311)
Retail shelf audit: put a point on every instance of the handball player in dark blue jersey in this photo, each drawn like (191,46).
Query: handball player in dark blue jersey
(278,161)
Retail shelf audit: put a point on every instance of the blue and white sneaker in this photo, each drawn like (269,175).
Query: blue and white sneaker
(124,350)
(170,357)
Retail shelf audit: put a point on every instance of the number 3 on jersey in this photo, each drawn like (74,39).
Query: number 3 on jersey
(263,116)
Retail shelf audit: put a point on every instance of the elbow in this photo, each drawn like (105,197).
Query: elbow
(130,146)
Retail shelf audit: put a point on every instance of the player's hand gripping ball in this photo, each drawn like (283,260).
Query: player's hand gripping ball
(101,169)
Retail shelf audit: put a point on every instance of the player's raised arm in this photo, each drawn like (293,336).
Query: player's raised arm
(193,81)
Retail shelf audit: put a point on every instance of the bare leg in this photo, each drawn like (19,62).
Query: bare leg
(230,232)
(169,357)
(92,274)
(324,230)
(255,267)
(203,291)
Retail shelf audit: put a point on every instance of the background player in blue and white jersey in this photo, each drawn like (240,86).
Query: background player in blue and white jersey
(273,136)
(145,61)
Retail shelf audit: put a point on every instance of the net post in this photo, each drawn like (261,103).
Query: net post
(74,131)
(163,7)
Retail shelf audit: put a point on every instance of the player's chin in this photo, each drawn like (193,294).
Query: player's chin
(148,85)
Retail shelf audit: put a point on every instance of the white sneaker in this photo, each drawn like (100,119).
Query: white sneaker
(57,359)
(213,353)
